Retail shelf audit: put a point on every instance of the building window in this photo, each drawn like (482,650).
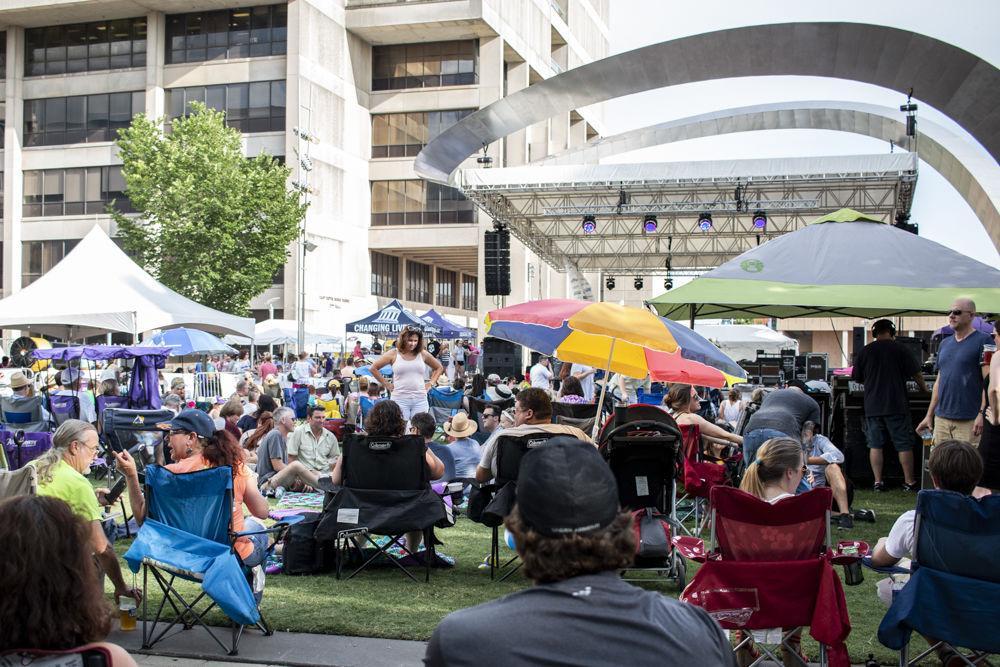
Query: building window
(418,282)
(261,314)
(37,257)
(470,292)
(3,55)
(81,191)
(405,134)
(246,32)
(80,119)
(399,66)
(85,47)
(445,288)
(249,107)
(385,275)
(416,202)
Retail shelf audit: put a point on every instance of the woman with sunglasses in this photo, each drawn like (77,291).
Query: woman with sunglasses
(683,403)
(410,363)
(61,473)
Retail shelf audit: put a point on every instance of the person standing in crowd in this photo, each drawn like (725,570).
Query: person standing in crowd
(303,369)
(957,406)
(48,547)
(61,473)
(445,359)
(541,373)
(989,446)
(458,357)
(410,365)
(434,347)
(585,374)
(267,367)
(272,454)
(573,540)
(358,352)
(883,367)
(781,415)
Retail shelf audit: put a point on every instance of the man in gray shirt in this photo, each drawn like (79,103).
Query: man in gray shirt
(272,454)
(579,612)
(781,415)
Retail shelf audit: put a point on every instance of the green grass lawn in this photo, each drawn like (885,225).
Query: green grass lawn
(384,603)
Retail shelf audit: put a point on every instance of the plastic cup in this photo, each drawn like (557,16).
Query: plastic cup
(988,351)
(126,614)
(927,437)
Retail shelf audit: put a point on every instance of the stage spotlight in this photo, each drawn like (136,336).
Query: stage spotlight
(589,224)
(668,284)
(610,283)
(705,221)
(649,224)
(637,283)
(759,220)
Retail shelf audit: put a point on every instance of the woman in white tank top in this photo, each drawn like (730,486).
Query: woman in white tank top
(409,383)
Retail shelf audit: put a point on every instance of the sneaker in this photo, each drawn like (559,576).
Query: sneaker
(844,521)
(279,493)
(865,515)
(879,487)
(911,488)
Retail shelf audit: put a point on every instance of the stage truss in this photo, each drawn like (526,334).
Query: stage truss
(544,206)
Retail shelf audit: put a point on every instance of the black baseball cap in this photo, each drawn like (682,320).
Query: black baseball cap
(194,421)
(564,487)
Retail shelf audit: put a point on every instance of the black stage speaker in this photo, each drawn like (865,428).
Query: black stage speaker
(858,342)
(496,257)
(501,357)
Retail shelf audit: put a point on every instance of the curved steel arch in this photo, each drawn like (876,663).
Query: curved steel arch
(972,173)
(963,86)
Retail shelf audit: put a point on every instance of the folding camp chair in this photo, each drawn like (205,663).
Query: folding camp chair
(510,450)
(23,482)
(187,534)
(954,589)
(139,432)
(103,403)
(386,491)
(91,656)
(63,407)
(701,473)
(768,568)
(643,455)
(23,414)
(444,402)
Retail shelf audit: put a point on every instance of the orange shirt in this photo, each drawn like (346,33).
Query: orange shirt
(198,462)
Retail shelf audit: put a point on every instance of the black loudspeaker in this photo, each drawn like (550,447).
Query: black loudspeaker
(915,346)
(858,342)
(496,257)
(501,357)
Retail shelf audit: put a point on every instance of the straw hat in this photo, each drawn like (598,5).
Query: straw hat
(18,380)
(333,385)
(460,426)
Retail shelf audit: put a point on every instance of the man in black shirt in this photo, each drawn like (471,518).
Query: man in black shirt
(781,415)
(573,539)
(884,366)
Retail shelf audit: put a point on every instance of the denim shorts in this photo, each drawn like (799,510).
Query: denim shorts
(900,430)
(259,542)
(753,440)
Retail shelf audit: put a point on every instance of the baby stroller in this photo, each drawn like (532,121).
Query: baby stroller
(641,445)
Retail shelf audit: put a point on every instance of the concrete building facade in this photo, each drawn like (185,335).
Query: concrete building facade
(356,85)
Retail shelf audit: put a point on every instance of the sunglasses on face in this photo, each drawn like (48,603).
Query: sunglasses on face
(956,313)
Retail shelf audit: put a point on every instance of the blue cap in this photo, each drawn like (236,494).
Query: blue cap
(194,421)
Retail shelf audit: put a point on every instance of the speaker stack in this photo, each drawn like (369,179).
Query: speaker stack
(501,357)
(496,256)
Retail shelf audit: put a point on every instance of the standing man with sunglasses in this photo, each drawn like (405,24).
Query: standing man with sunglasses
(957,400)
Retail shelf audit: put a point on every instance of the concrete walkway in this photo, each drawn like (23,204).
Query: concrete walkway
(194,648)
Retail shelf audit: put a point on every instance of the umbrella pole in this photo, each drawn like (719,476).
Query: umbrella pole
(604,389)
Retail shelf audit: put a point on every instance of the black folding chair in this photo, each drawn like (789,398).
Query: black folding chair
(386,491)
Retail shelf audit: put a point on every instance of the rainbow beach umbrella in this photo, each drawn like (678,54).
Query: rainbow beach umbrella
(622,339)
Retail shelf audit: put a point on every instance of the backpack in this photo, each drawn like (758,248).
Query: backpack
(303,553)
(652,533)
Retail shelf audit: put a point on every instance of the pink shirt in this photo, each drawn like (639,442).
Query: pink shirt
(267,368)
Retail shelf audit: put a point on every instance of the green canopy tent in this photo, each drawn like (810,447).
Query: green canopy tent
(844,264)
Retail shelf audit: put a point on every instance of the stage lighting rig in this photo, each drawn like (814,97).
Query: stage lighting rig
(705,221)
(609,283)
(759,220)
(589,224)
(637,283)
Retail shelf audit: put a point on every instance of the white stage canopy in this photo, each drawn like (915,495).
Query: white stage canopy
(741,341)
(97,289)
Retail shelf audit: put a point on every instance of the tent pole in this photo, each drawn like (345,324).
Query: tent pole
(604,389)
(692,316)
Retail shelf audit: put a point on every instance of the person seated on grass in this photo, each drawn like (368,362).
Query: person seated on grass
(774,476)
(573,540)
(423,424)
(823,460)
(50,591)
(532,414)
(312,445)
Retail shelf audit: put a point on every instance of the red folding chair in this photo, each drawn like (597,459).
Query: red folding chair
(768,572)
(700,475)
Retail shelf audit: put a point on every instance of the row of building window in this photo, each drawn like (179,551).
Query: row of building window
(405,134)
(448,291)
(249,107)
(417,202)
(399,66)
(80,191)
(79,119)
(245,32)
(37,257)
(85,47)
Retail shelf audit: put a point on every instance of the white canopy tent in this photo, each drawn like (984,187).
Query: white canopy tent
(282,332)
(741,341)
(97,289)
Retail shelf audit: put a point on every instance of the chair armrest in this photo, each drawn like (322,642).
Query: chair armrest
(891,569)
(692,548)
(278,527)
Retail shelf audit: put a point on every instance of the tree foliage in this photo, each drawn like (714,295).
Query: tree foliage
(213,225)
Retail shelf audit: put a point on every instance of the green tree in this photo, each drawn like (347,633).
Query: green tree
(213,225)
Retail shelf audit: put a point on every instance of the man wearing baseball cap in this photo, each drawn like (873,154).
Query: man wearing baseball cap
(573,539)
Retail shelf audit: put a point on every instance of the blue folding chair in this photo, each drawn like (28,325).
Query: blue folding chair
(24,414)
(953,594)
(187,534)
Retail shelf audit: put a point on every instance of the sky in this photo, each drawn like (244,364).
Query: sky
(943,216)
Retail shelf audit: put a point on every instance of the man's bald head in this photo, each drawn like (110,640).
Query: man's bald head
(963,303)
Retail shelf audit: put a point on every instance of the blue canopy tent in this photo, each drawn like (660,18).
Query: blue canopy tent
(390,320)
(448,329)
(183,341)
(144,385)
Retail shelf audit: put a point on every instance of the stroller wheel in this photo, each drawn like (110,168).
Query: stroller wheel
(680,571)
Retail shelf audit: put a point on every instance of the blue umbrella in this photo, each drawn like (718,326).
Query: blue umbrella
(183,341)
